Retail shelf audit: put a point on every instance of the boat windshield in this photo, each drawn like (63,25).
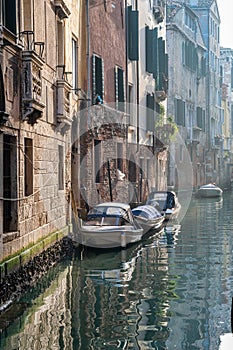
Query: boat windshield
(108,216)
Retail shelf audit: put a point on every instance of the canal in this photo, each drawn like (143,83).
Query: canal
(172,291)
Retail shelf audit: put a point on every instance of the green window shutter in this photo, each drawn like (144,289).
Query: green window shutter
(180,112)
(150,112)
(199,117)
(155,52)
(132,34)
(203,120)
(149,50)
(160,84)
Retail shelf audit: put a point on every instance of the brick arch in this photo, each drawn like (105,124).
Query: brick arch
(2,94)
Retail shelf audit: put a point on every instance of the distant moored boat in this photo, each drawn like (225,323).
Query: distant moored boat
(208,191)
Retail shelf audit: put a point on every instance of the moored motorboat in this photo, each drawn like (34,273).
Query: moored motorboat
(109,225)
(148,217)
(209,191)
(166,202)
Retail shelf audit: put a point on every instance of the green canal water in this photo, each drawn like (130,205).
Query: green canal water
(172,291)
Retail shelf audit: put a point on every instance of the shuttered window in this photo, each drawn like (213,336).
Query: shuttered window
(75,65)
(200,118)
(119,88)
(179,112)
(151,50)
(132,34)
(150,115)
(97,77)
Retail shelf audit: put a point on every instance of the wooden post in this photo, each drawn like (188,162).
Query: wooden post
(109,181)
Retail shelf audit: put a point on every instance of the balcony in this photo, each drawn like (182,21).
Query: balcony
(63,89)
(32,64)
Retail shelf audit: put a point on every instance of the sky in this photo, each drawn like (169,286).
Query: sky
(225,8)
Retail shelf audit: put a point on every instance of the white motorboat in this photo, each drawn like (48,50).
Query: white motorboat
(209,190)
(166,202)
(109,225)
(148,217)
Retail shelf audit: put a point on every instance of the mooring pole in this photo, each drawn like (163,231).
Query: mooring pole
(109,181)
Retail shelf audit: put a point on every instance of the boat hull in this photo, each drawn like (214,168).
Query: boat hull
(108,237)
(147,225)
(209,192)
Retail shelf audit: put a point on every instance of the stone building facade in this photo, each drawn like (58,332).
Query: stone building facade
(187,92)
(226,60)
(40,85)
(209,166)
(147,78)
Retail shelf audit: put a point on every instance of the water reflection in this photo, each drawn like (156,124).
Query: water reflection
(171,291)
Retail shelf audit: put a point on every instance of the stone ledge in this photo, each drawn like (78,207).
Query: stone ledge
(24,274)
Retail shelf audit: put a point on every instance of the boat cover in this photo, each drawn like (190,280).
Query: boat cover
(146,211)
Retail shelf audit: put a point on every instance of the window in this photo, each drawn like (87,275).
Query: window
(9,15)
(97,77)
(74,65)
(120,156)
(132,33)
(9,181)
(119,89)
(179,112)
(161,83)
(27,15)
(60,50)
(201,118)
(151,50)
(150,104)
(2,94)
(60,168)
(28,166)
(97,160)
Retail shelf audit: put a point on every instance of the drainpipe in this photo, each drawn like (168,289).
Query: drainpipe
(88,58)
(137,97)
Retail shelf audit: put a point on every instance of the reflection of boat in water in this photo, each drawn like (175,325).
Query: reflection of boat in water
(109,266)
(216,202)
(171,232)
(116,265)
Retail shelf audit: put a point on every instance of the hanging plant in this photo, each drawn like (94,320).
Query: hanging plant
(165,130)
